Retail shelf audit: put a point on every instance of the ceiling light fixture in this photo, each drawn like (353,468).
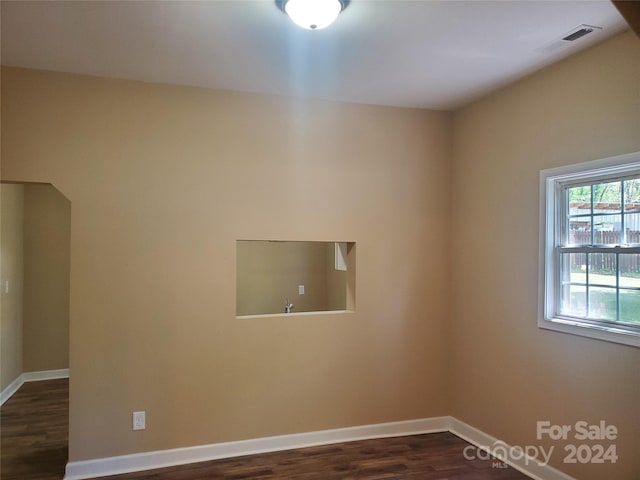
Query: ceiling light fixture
(312,14)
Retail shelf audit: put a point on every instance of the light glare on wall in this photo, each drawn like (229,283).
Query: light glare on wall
(341,256)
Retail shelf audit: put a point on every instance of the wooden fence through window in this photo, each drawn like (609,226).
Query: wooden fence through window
(629,263)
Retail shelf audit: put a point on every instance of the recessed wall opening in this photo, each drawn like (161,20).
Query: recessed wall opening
(290,277)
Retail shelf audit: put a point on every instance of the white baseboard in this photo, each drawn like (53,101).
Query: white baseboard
(528,465)
(45,375)
(166,458)
(31,377)
(11,389)
(179,456)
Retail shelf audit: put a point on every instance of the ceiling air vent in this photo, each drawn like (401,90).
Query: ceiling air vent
(571,36)
(580,32)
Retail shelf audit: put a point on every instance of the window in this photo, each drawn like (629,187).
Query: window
(590,249)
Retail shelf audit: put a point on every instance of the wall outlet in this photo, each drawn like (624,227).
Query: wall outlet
(139,421)
(300,289)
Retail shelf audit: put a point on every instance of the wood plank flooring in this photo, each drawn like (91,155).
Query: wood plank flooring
(34,425)
(435,456)
(35,439)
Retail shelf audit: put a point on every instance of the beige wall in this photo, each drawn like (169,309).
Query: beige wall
(163,180)
(11,260)
(47,221)
(507,373)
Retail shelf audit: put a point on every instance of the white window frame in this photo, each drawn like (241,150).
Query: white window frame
(551,208)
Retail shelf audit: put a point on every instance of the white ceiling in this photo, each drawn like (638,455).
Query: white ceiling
(418,53)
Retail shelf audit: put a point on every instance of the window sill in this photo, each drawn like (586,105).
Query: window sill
(608,334)
(294,314)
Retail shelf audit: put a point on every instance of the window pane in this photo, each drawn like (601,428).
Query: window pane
(602,269)
(607,229)
(630,270)
(579,200)
(579,203)
(602,303)
(573,301)
(632,195)
(607,197)
(580,231)
(574,268)
(632,227)
(630,306)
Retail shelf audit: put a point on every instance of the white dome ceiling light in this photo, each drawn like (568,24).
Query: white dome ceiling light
(312,14)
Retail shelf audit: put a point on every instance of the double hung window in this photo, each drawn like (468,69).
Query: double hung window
(590,249)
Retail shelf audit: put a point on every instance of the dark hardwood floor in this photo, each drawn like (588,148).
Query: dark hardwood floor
(35,439)
(34,426)
(434,456)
